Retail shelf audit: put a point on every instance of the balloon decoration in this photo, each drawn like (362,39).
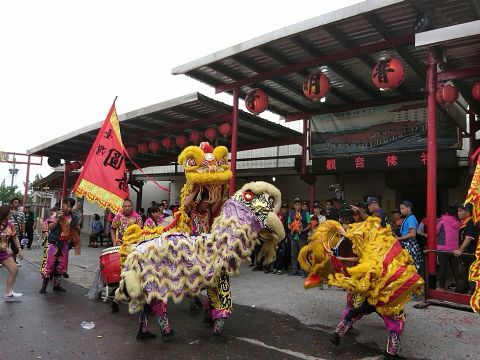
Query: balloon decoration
(256,101)
(132,151)
(316,86)
(195,137)
(167,143)
(225,129)
(142,148)
(447,94)
(154,146)
(181,141)
(476,90)
(388,74)
(211,134)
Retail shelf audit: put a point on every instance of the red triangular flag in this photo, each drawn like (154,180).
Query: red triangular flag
(103,179)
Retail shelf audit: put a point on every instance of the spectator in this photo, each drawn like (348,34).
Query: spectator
(298,224)
(305,206)
(29,224)
(374,208)
(448,227)
(7,233)
(360,210)
(97,231)
(408,233)
(396,222)
(141,212)
(166,207)
(422,233)
(19,223)
(280,259)
(317,211)
(467,238)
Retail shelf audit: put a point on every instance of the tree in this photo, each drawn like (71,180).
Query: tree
(7,193)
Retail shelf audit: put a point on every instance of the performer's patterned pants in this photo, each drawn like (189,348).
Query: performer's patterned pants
(55,259)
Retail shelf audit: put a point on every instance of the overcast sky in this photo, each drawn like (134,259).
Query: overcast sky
(63,62)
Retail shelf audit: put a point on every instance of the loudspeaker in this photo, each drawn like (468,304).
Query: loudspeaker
(54,161)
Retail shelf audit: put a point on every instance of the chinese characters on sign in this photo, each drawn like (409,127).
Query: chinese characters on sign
(390,161)
(114,159)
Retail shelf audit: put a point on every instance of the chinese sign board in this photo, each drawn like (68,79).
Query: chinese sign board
(388,161)
(381,129)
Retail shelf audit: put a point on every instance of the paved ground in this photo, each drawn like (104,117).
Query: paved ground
(274,318)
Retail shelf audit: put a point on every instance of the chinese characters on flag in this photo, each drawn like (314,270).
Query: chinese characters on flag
(104,177)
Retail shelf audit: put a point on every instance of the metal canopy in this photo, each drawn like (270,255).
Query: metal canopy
(346,44)
(171,118)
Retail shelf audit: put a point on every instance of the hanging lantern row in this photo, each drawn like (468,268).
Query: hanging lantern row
(181,140)
(476,90)
(447,94)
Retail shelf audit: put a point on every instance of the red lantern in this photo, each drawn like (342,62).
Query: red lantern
(316,86)
(154,146)
(388,74)
(447,94)
(132,151)
(476,90)
(195,137)
(142,148)
(225,129)
(210,134)
(256,101)
(181,141)
(167,143)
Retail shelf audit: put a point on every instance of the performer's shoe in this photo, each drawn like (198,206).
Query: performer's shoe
(66,276)
(335,338)
(145,336)
(389,356)
(172,336)
(220,337)
(59,288)
(43,290)
(115,307)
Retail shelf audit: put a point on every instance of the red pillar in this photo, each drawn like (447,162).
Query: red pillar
(26,183)
(304,146)
(431,167)
(472,129)
(233,149)
(312,196)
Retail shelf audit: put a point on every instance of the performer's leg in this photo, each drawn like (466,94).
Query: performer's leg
(56,284)
(43,289)
(395,326)
(47,266)
(221,303)
(143,333)
(160,309)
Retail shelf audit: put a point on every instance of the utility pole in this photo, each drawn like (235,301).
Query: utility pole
(13,171)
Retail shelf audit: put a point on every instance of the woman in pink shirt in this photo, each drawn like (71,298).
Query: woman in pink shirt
(447,241)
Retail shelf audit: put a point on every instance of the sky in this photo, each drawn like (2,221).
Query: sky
(63,62)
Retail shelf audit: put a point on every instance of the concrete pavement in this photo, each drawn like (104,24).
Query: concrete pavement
(274,317)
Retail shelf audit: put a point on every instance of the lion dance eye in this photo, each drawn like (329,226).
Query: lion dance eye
(190,162)
(271,201)
(248,195)
(220,162)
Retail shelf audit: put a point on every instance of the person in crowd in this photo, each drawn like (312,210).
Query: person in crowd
(8,234)
(97,231)
(29,225)
(396,222)
(422,233)
(166,207)
(142,214)
(305,206)
(447,229)
(317,211)
(123,220)
(156,217)
(360,211)
(55,259)
(298,224)
(408,233)
(280,260)
(19,222)
(374,208)
(467,243)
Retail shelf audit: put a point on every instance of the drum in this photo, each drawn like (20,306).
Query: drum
(110,265)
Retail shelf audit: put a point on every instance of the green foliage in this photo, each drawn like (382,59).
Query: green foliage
(9,192)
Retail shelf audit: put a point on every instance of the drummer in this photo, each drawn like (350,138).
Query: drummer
(123,220)
(120,223)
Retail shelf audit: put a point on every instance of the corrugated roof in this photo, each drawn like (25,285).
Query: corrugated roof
(169,119)
(346,44)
